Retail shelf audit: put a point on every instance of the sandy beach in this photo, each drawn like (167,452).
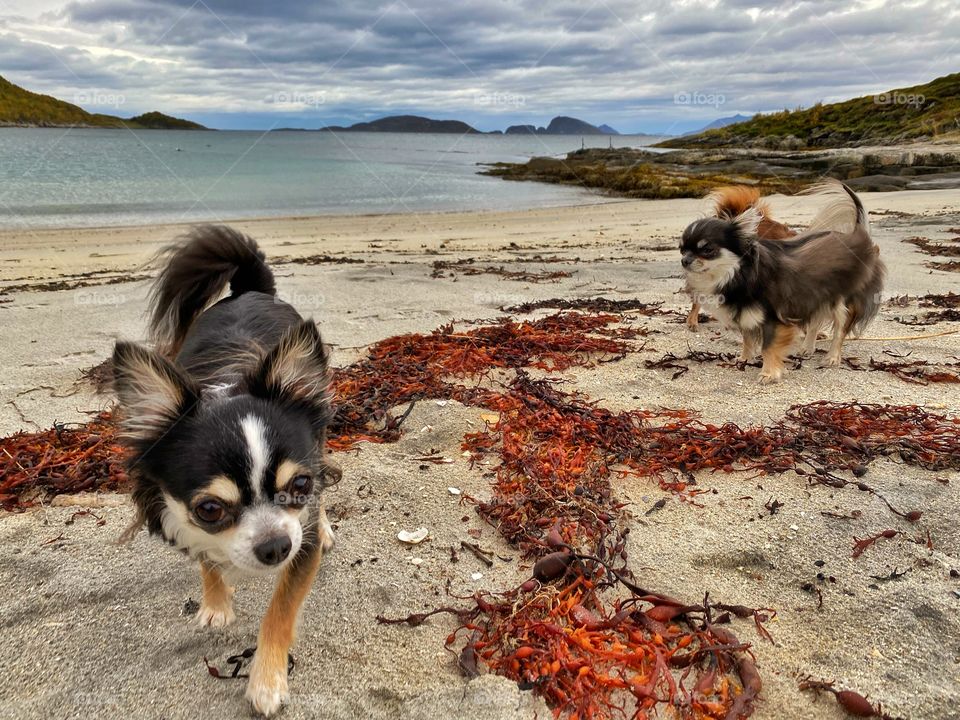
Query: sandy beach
(99,629)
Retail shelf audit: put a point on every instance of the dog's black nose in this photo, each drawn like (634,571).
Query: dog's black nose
(686,260)
(273,551)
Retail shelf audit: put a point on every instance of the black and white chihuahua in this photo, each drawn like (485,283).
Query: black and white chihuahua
(225,426)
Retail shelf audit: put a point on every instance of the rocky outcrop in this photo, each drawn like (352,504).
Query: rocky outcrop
(692,173)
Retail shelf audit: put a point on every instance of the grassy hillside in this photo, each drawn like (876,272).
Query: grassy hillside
(920,112)
(158,121)
(24,108)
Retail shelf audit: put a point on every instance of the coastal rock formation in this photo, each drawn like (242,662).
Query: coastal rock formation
(642,173)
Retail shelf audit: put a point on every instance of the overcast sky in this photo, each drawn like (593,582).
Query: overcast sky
(655,66)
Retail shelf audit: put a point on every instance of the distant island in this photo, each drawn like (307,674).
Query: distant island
(406,124)
(158,121)
(562,125)
(22,108)
(913,114)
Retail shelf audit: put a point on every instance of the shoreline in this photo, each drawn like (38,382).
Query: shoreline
(101,248)
(6,231)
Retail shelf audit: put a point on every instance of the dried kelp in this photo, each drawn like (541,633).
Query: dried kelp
(467,266)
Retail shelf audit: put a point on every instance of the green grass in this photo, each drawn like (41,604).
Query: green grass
(931,110)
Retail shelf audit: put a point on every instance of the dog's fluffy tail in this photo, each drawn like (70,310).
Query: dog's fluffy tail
(196,270)
(846,209)
(733,200)
(843,210)
(865,306)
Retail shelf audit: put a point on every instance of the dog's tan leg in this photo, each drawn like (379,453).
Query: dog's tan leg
(809,348)
(267,688)
(693,317)
(775,352)
(841,327)
(751,340)
(216,608)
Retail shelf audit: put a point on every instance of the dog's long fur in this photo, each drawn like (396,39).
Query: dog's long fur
(770,289)
(225,429)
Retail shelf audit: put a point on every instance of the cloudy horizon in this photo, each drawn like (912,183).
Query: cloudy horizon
(656,67)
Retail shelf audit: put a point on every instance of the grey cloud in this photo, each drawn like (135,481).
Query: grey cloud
(617,61)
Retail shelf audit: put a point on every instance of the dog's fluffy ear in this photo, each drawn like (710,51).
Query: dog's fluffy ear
(296,371)
(154,393)
(747,222)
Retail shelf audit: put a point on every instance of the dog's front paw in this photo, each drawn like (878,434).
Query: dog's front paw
(215,617)
(267,689)
(325,532)
(832,361)
(769,377)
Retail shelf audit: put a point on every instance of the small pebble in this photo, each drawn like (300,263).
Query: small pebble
(477,576)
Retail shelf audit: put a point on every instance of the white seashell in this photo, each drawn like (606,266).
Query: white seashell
(477,576)
(453,490)
(413,538)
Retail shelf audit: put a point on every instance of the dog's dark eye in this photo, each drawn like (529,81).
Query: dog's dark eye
(209,511)
(301,485)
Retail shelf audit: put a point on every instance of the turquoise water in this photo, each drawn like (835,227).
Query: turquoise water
(76,178)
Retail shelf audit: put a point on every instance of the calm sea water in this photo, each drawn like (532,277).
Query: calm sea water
(74,178)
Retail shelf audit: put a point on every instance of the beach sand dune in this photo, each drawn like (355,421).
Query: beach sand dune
(97,629)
